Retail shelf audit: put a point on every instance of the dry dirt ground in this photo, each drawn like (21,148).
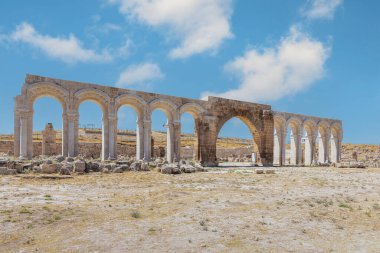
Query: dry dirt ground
(223,210)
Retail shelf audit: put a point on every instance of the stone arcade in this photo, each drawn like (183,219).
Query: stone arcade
(268,128)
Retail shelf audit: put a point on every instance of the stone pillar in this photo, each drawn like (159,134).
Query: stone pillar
(196,154)
(112,128)
(295,147)
(334,143)
(64,135)
(266,139)
(70,134)
(309,149)
(283,146)
(147,139)
(207,138)
(24,135)
(30,134)
(16,145)
(105,137)
(48,140)
(279,146)
(170,141)
(299,148)
(177,140)
(327,146)
(323,147)
(139,139)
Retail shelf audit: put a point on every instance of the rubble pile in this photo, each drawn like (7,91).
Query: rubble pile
(79,165)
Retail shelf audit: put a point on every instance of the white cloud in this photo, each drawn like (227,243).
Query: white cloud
(292,66)
(200,25)
(68,50)
(141,74)
(321,9)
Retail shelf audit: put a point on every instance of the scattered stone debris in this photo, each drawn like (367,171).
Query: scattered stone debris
(78,165)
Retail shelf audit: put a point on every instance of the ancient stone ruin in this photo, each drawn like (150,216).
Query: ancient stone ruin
(268,127)
(48,140)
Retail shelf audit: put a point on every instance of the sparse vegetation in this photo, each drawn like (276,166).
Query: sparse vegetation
(135,214)
(243,208)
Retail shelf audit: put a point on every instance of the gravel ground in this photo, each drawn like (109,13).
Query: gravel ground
(228,209)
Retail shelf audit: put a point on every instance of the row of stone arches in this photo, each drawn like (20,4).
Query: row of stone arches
(299,140)
(70,102)
(269,129)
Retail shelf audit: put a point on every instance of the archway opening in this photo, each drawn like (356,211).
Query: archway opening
(293,144)
(160,137)
(47,127)
(322,144)
(90,130)
(235,144)
(189,138)
(308,144)
(126,134)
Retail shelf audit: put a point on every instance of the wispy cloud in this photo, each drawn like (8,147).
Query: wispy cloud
(290,67)
(67,49)
(141,74)
(200,25)
(321,9)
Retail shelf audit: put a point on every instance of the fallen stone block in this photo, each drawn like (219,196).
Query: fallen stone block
(6,171)
(49,168)
(79,167)
(259,171)
(136,166)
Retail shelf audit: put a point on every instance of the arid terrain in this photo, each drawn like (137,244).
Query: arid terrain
(228,209)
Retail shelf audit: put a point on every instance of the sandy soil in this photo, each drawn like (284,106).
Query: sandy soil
(223,210)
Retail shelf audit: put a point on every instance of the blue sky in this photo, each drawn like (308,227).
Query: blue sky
(317,57)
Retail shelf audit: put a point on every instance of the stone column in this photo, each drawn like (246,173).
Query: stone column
(170,141)
(24,135)
(327,145)
(323,149)
(139,139)
(299,148)
(279,146)
(64,135)
(283,146)
(147,139)
(112,129)
(207,138)
(105,137)
(16,145)
(295,147)
(334,143)
(48,140)
(309,149)
(196,152)
(177,140)
(266,139)
(76,134)
(30,134)
(70,134)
